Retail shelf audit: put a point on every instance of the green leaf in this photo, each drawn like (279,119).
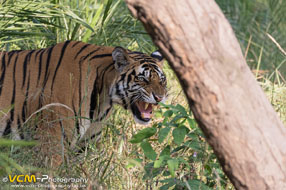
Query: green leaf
(133,162)
(77,19)
(166,151)
(148,150)
(187,164)
(95,19)
(172,165)
(143,134)
(196,184)
(179,134)
(107,7)
(150,171)
(208,169)
(168,185)
(168,113)
(166,106)
(193,135)
(165,154)
(158,163)
(195,145)
(192,122)
(177,149)
(163,133)
(181,109)
(176,118)
(158,114)
(8,142)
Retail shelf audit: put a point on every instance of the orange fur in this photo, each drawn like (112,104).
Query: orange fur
(64,91)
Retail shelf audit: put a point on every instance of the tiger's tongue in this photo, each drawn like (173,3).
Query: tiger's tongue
(145,113)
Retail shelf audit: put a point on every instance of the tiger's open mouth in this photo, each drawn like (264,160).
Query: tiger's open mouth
(142,111)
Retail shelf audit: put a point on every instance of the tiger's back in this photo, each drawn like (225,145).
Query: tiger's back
(33,79)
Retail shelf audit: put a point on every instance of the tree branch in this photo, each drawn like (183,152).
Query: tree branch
(228,104)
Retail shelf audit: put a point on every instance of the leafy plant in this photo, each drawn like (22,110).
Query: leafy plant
(184,160)
(33,24)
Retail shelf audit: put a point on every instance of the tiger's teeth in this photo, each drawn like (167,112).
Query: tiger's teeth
(146,106)
(147,115)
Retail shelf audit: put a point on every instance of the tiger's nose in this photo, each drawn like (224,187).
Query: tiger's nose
(157,98)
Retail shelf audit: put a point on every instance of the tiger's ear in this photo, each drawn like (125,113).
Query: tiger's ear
(120,58)
(157,55)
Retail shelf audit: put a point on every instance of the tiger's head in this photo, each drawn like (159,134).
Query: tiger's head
(141,84)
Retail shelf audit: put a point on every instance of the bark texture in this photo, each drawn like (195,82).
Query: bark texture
(230,107)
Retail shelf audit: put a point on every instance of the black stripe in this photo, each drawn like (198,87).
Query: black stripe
(121,96)
(8,125)
(10,55)
(7,130)
(102,76)
(100,56)
(79,88)
(3,73)
(129,78)
(37,53)
(81,49)
(76,118)
(20,130)
(89,54)
(42,90)
(124,91)
(94,96)
(145,66)
(134,96)
(40,66)
(122,77)
(24,107)
(124,103)
(133,73)
(134,90)
(26,61)
(110,102)
(93,100)
(136,52)
(76,43)
(47,74)
(50,50)
(157,70)
(59,62)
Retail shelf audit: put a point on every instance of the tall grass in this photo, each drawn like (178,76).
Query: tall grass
(36,24)
(115,162)
(252,21)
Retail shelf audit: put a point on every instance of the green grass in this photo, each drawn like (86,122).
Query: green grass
(115,163)
(252,21)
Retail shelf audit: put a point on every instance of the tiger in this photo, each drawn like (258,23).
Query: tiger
(67,90)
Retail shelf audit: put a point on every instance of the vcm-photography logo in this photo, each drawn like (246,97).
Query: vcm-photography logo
(42,179)
(20,178)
